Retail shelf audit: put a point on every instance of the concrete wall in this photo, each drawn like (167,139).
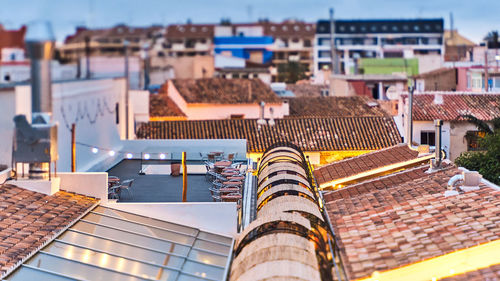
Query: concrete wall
(89,184)
(224,111)
(140,103)
(216,217)
(187,67)
(428,63)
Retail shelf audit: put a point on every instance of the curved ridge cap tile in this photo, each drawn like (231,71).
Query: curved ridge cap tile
(268,249)
(282,177)
(287,204)
(280,148)
(283,170)
(290,270)
(295,218)
(281,187)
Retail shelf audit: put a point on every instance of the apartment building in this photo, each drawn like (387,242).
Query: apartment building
(109,41)
(358,39)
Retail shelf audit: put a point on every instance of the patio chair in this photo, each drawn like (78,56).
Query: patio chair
(211,157)
(230,156)
(127,185)
(236,165)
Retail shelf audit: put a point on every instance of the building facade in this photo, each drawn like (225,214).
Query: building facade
(355,39)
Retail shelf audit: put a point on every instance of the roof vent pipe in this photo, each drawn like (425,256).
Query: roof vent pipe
(438,150)
(40,46)
(261,120)
(409,118)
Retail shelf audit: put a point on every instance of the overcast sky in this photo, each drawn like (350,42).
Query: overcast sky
(473,18)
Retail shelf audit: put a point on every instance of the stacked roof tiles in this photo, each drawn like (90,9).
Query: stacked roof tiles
(30,219)
(161,105)
(363,163)
(395,222)
(289,238)
(224,91)
(311,134)
(335,107)
(454,106)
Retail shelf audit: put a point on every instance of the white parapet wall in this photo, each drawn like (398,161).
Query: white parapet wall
(88,184)
(215,217)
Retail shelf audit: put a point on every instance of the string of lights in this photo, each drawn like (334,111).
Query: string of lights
(128,154)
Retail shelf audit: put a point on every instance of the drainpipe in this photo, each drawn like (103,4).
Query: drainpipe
(438,150)
(409,119)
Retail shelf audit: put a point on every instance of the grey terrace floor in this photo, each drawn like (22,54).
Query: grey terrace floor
(159,188)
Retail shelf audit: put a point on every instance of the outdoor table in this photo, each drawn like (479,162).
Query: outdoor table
(224,173)
(222,163)
(230,197)
(112,181)
(236,178)
(229,190)
(232,183)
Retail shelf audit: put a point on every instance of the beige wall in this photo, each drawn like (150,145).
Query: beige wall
(187,67)
(341,87)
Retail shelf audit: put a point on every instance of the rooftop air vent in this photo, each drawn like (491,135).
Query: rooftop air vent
(438,99)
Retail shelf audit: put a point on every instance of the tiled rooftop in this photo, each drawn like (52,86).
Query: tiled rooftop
(376,184)
(224,91)
(491,273)
(29,219)
(12,38)
(160,105)
(335,107)
(406,223)
(365,162)
(306,90)
(311,134)
(484,106)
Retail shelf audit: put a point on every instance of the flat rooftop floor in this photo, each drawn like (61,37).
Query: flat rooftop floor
(160,188)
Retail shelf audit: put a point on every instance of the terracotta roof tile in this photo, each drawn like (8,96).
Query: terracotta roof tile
(395,224)
(311,134)
(483,106)
(364,162)
(28,219)
(335,107)
(307,90)
(12,38)
(161,105)
(224,91)
(491,273)
(191,31)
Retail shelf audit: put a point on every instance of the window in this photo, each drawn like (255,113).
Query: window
(428,137)
(473,138)
(307,43)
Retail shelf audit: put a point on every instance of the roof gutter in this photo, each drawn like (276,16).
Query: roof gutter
(375,172)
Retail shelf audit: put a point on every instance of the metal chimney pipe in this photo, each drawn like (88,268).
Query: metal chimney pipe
(40,46)
(438,150)
(409,118)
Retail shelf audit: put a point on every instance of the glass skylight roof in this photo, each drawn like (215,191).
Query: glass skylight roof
(108,244)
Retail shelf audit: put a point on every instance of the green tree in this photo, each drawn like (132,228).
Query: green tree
(291,72)
(487,161)
(492,39)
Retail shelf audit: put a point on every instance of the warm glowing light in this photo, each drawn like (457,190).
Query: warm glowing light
(86,256)
(203,275)
(129,155)
(162,156)
(112,153)
(147,156)
(95,150)
(104,259)
(455,263)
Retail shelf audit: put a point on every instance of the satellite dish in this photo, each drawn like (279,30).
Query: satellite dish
(392,93)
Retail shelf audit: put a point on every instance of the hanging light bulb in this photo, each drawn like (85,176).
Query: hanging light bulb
(162,156)
(95,150)
(129,155)
(111,153)
(147,156)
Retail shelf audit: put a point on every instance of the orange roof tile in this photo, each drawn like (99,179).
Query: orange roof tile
(483,106)
(335,107)
(310,134)
(225,91)
(161,105)
(404,223)
(364,162)
(29,219)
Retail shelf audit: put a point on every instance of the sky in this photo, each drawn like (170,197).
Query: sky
(473,18)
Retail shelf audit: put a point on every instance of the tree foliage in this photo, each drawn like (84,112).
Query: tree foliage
(486,162)
(291,72)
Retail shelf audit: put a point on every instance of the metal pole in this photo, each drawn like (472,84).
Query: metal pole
(87,57)
(184,177)
(333,54)
(73,148)
(409,118)
(125,46)
(438,156)
(486,86)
